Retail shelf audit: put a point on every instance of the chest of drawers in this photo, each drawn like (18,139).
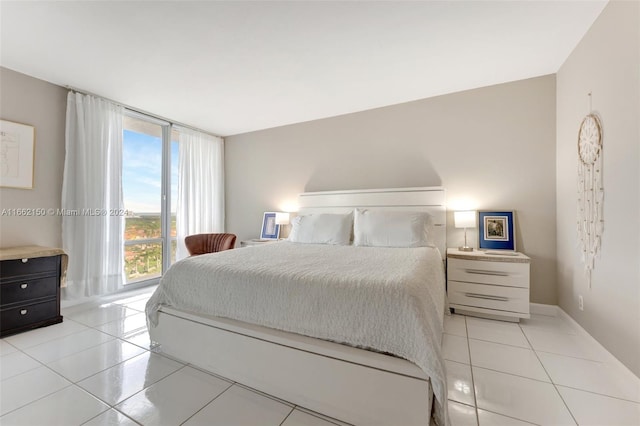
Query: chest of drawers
(29,293)
(489,285)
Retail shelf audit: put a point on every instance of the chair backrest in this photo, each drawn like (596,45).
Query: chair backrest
(209,243)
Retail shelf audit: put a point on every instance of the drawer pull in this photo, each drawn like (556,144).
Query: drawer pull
(487,297)
(23,312)
(481,272)
(25,260)
(24,285)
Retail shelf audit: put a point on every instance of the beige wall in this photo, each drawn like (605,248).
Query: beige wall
(27,100)
(494,147)
(607,63)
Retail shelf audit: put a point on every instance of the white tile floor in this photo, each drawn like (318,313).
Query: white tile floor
(543,371)
(97,368)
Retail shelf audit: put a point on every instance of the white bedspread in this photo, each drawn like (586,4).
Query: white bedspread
(387,299)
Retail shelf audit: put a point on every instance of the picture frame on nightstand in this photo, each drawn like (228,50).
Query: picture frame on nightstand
(496,230)
(270,230)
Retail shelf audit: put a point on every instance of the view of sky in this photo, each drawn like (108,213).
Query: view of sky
(142,172)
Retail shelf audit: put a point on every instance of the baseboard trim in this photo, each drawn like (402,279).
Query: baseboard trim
(68,303)
(542,309)
(611,359)
(557,311)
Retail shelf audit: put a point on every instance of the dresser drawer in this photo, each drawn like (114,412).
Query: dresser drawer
(486,272)
(510,299)
(24,290)
(20,267)
(25,315)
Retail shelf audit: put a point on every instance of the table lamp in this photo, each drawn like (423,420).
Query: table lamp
(282,219)
(465,219)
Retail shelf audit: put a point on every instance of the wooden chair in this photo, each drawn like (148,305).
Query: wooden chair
(209,243)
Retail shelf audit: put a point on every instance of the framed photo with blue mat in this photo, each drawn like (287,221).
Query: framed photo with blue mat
(496,230)
(270,230)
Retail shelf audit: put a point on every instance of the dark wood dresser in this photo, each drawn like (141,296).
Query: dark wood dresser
(30,288)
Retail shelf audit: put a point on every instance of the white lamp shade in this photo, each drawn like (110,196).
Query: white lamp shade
(465,219)
(282,218)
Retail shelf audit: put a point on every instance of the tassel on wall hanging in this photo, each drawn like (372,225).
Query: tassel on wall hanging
(590,191)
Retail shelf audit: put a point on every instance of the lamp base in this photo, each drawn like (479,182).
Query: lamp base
(465,248)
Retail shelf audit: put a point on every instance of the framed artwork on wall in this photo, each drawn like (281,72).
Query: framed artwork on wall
(270,230)
(16,155)
(496,230)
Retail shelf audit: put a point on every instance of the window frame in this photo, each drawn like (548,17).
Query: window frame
(165,201)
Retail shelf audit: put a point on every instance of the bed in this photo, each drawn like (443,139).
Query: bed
(358,340)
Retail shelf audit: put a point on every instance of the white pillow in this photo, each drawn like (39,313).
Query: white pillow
(378,228)
(322,228)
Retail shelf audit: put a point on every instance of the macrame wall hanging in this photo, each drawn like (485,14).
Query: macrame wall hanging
(590,190)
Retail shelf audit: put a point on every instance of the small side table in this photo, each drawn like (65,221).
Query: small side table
(255,242)
(30,280)
(490,285)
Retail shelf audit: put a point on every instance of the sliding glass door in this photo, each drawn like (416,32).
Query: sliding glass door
(149,181)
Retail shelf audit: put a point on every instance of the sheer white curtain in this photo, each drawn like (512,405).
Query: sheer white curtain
(200,207)
(92,187)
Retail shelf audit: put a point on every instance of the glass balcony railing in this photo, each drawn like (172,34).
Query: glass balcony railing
(142,260)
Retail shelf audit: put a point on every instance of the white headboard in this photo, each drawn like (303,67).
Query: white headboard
(430,199)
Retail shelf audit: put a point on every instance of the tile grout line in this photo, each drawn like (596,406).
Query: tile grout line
(128,417)
(141,390)
(46,341)
(70,382)
(93,326)
(26,371)
(473,383)
(287,416)
(202,370)
(514,375)
(82,350)
(108,368)
(511,417)
(42,397)
(577,334)
(571,356)
(207,404)
(97,415)
(549,375)
(258,392)
(104,369)
(318,415)
(48,368)
(497,343)
(599,394)
(106,411)
(120,402)
(147,350)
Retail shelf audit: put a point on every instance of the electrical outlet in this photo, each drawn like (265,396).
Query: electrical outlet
(580,303)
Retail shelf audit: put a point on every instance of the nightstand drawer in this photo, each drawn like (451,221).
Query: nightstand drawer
(486,272)
(24,290)
(254,243)
(20,267)
(500,298)
(25,315)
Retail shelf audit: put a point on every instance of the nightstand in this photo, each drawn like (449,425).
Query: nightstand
(491,285)
(30,288)
(255,242)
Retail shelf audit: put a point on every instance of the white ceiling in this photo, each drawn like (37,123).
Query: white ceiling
(234,67)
